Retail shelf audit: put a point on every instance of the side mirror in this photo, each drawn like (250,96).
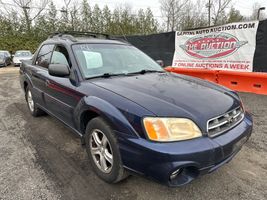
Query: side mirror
(161,63)
(59,70)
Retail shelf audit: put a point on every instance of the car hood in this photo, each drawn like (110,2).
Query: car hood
(23,58)
(173,95)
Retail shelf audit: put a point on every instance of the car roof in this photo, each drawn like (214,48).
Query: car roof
(84,37)
(3,52)
(85,40)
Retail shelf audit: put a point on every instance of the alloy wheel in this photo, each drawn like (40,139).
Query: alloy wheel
(30,101)
(101,151)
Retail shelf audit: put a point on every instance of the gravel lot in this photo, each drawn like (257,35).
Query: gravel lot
(41,159)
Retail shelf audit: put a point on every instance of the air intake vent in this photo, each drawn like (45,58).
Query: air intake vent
(220,124)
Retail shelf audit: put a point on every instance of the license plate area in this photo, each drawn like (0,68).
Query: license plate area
(239,144)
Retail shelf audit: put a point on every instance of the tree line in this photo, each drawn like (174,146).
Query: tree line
(24,24)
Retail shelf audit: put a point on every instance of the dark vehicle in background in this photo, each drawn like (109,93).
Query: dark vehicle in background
(5,58)
(21,55)
(132,115)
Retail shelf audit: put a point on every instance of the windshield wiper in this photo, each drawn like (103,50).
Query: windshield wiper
(108,75)
(143,71)
(105,75)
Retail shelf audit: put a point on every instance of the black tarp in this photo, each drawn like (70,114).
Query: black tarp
(162,46)
(260,56)
(157,46)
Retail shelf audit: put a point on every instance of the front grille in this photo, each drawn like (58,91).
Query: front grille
(220,124)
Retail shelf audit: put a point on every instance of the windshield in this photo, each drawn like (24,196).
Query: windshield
(98,59)
(23,54)
(2,55)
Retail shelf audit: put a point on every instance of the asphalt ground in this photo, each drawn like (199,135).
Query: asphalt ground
(41,159)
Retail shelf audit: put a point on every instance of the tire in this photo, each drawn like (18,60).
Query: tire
(34,110)
(106,148)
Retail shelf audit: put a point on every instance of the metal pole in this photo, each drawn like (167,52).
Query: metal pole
(209,6)
(209,12)
(259,10)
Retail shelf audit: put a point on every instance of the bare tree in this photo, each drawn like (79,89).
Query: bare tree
(74,18)
(218,10)
(69,15)
(28,9)
(193,18)
(172,11)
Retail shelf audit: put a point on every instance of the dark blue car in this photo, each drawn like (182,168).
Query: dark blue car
(131,115)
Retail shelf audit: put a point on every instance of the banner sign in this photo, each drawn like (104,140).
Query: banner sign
(226,47)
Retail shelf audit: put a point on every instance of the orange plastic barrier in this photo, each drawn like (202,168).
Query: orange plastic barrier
(209,75)
(254,82)
(244,81)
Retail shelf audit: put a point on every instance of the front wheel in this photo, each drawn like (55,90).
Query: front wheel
(34,110)
(103,151)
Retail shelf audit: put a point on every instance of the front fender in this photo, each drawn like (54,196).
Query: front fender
(106,110)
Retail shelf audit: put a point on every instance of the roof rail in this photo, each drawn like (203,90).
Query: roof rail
(71,35)
(77,33)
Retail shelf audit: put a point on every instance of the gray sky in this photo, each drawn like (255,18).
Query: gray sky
(245,6)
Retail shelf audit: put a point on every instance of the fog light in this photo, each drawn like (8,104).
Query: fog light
(175,173)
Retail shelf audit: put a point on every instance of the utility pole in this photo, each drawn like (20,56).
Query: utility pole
(209,7)
(27,17)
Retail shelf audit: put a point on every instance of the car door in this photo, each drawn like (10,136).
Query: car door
(7,58)
(61,96)
(39,72)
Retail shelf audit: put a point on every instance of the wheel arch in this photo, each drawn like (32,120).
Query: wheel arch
(91,107)
(85,117)
(26,82)
(25,85)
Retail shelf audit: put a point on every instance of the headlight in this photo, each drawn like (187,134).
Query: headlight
(170,129)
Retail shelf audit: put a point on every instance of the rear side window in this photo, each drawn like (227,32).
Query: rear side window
(60,56)
(44,55)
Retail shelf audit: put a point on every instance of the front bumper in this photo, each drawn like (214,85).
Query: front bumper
(194,157)
(17,63)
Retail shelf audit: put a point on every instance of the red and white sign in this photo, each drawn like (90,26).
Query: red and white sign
(227,47)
